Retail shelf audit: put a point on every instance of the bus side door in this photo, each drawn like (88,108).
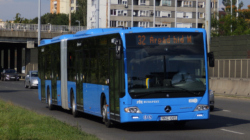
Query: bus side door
(114,85)
(54,76)
(79,78)
(42,76)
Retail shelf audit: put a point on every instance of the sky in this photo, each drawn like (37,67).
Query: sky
(29,8)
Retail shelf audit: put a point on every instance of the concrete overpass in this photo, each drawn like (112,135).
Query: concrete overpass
(18,46)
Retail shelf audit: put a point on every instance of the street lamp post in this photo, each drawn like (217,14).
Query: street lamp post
(208,23)
(39,21)
(49,27)
(79,23)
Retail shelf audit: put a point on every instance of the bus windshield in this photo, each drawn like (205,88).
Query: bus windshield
(171,63)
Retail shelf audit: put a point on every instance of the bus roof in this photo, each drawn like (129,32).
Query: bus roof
(105,31)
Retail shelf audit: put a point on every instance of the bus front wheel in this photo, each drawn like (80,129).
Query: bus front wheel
(106,121)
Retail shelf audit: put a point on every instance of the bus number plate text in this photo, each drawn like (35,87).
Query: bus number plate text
(168,118)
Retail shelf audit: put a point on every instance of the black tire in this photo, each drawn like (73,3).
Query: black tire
(180,123)
(29,86)
(73,105)
(106,121)
(25,84)
(51,107)
(211,108)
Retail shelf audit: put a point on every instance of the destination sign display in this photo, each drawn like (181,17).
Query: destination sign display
(166,39)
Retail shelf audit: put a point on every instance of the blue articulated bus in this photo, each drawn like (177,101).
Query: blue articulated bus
(128,74)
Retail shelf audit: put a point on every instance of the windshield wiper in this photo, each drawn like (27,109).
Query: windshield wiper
(188,91)
(147,93)
(166,91)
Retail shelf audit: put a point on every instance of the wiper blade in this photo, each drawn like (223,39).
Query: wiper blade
(142,94)
(188,91)
(147,93)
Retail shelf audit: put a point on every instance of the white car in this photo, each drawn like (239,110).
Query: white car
(31,79)
(211,99)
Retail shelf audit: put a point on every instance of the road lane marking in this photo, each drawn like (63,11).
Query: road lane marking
(232,131)
(226,110)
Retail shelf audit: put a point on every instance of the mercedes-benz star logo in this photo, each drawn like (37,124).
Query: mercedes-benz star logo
(168,109)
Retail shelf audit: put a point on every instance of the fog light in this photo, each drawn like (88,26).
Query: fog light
(199,115)
(135,117)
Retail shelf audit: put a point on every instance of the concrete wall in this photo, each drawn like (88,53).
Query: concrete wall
(230,86)
(231,72)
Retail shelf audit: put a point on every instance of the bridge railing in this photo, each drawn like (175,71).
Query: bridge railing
(230,68)
(44,27)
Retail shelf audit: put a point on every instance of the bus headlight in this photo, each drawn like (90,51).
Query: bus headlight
(132,110)
(201,107)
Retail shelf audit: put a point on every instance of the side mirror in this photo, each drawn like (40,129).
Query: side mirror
(211,59)
(118,47)
(27,76)
(118,51)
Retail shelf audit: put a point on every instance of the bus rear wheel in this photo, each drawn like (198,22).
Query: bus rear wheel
(73,105)
(51,107)
(25,84)
(106,121)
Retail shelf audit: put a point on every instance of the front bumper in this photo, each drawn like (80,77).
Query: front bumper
(139,117)
(11,78)
(34,84)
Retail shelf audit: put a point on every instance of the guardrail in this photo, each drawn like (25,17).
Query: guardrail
(44,27)
(230,68)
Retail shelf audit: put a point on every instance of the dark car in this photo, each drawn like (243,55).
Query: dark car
(9,74)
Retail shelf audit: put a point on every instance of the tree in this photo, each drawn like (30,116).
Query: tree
(17,18)
(234,2)
(60,19)
(214,25)
(245,13)
(239,25)
(81,12)
(227,4)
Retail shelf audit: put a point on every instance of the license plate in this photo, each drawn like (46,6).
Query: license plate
(169,118)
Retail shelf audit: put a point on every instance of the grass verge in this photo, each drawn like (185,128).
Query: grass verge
(19,123)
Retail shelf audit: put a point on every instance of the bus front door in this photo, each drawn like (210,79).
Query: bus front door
(79,79)
(114,86)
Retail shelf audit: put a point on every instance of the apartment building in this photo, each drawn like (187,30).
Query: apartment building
(63,6)
(149,13)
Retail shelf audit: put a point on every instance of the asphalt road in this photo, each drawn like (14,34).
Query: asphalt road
(230,120)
